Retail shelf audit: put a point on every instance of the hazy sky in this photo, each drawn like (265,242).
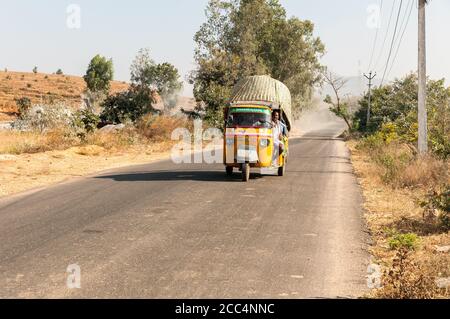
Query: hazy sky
(42,33)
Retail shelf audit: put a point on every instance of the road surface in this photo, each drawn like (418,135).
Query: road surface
(189,231)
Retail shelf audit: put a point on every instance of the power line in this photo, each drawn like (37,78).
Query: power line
(392,43)
(386,35)
(376,37)
(401,38)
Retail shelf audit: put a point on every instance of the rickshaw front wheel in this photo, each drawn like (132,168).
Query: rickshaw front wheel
(245,172)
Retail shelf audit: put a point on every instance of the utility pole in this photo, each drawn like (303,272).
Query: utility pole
(422,70)
(369,77)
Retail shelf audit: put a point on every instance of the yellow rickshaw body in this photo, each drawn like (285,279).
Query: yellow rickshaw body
(252,145)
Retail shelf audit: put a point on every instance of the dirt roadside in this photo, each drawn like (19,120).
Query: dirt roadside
(388,211)
(24,172)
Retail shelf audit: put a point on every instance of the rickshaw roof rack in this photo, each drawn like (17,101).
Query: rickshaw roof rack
(272,105)
(263,88)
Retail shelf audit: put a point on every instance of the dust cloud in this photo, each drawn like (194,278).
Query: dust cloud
(318,121)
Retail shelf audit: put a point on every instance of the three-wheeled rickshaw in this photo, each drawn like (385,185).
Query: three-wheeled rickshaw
(249,140)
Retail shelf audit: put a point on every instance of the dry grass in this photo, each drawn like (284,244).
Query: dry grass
(16,143)
(31,159)
(424,172)
(160,128)
(397,165)
(408,279)
(12,142)
(394,183)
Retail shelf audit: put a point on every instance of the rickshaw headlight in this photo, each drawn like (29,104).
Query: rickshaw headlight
(230,141)
(264,143)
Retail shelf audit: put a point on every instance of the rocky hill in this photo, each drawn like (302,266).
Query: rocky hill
(42,88)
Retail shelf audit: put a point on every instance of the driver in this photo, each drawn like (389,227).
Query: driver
(279,131)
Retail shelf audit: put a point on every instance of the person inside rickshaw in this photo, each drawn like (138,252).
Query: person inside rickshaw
(249,120)
(279,130)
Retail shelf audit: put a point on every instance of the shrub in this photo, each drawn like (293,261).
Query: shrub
(45,117)
(85,122)
(127,106)
(399,164)
(23,105)
(439,200)
(408,241)
(59,72)
(407,280)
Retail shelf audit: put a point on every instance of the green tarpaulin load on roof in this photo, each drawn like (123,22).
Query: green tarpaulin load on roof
(263,88)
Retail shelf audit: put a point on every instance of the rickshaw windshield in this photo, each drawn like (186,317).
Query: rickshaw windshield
(258,119)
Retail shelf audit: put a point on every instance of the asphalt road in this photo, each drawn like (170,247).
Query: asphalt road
(189,231)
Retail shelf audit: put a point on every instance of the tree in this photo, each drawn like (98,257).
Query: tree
(126,106)
(35,70)
(337,106)
(99,74)
(59,72)
(166,81)
(142,70)
(253,37)
(163,78)
(137,100)
(396,104)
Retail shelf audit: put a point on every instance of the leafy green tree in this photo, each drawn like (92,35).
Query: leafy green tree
(166,81)
(59,72)
(126,106)
(149,77)
(35,70)
(396,104)
(253,37)
(147,80)
(99,74)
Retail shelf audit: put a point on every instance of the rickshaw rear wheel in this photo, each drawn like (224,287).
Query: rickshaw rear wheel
(229,170)
(245,172)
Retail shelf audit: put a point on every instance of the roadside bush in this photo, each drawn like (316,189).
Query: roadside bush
(439,201)
(23,105)
(85,122)
(398,162)
(45,117)
(406,279)
(408,241)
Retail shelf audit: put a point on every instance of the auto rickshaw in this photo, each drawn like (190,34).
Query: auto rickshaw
(249,140)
